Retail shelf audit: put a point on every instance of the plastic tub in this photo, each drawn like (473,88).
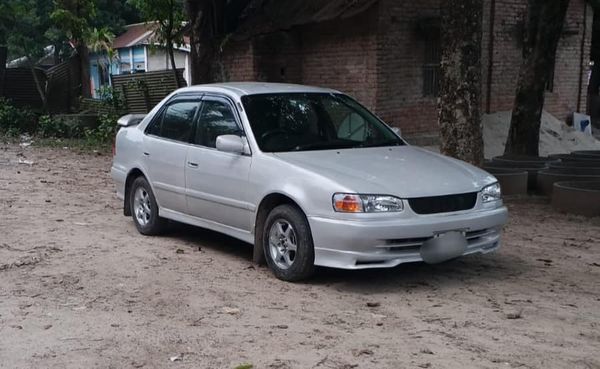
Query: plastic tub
(512,181)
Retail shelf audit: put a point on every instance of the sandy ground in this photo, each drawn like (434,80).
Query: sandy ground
(555,136)
(80,288)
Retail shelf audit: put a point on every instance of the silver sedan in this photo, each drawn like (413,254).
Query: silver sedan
(307,175)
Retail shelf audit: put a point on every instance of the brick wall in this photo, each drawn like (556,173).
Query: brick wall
(508,36)
(339,54)
(238,61)
(400,60)
(342,54)
(278,57)
(378,58)
(570,68)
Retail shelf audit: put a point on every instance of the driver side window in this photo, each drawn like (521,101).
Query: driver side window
(216,119)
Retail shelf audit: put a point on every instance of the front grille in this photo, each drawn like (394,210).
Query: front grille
(443,204)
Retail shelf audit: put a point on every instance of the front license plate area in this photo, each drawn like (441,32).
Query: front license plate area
(445,246)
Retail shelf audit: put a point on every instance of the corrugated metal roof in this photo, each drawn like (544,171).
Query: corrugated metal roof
(135,34)
(140,34)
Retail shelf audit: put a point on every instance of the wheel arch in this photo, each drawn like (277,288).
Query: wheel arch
(131,176)
(268,203)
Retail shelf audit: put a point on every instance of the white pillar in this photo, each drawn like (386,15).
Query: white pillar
(131,60)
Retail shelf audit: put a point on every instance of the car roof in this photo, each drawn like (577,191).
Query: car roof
(253,88)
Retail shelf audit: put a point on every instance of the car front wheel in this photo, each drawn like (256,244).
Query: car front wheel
(144,208)
(288,244)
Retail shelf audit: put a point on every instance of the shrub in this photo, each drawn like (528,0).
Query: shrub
(104,132)
(111,99)
(14,121)
(60,127)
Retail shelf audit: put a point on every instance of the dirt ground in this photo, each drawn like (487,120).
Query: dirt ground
(80,288)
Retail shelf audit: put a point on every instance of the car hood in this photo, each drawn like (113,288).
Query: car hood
(403,171)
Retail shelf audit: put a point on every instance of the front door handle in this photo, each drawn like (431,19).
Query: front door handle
(146,153)
(192,165)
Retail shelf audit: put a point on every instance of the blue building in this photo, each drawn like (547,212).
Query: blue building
(137,51)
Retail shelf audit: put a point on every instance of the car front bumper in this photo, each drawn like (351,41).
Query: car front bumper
(383,243)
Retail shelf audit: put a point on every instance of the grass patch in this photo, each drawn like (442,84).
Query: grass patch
(79,144)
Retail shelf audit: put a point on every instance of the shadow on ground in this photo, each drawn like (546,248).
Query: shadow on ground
(473,269)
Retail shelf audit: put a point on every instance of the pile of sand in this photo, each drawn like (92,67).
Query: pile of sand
(555,136)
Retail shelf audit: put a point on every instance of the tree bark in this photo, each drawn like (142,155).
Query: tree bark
(3,56)
(84,64)
(460,85)
(169,32)
(172,57)
(206,29)
(544,27)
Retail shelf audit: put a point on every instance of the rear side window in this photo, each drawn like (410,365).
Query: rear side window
(176,122)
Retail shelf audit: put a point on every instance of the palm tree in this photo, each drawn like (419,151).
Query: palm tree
(100,42)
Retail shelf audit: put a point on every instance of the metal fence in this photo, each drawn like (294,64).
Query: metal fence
(142,91)
(62,84)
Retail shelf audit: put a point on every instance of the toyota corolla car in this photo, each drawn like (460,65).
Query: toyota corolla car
(307,175)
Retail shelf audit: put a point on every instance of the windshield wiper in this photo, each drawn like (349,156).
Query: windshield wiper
(331,145)
(393,142)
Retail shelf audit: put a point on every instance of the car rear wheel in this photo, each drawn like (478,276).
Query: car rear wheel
(288,244)
(144,209)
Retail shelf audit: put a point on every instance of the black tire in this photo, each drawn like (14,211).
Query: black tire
(303,263)
(154,224)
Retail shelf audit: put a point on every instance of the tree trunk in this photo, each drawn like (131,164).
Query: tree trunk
(169,33)
(206,21)
(171,53)
(3,56)
(84,65)
(545,21)
(172,57)
(460,85)
(56,53)
(40,89)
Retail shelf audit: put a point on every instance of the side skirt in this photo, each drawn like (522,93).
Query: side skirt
(240,234)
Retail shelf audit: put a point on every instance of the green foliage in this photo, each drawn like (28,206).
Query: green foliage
(105,132)
(73,17)
(112,99)
(100,39)
(97,131)
(14,121)
(27,22)
(114,15)
(76,127)
(170,17)
(60,127)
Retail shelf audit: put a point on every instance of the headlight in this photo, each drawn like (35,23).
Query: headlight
(356,203)
(491,193)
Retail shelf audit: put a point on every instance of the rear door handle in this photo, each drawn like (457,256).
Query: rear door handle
(192,165)
(146,153)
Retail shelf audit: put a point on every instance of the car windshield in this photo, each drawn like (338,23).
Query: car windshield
(314,121)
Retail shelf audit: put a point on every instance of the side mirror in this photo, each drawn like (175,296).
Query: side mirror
(233,144)
(397,131)
(130,120)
